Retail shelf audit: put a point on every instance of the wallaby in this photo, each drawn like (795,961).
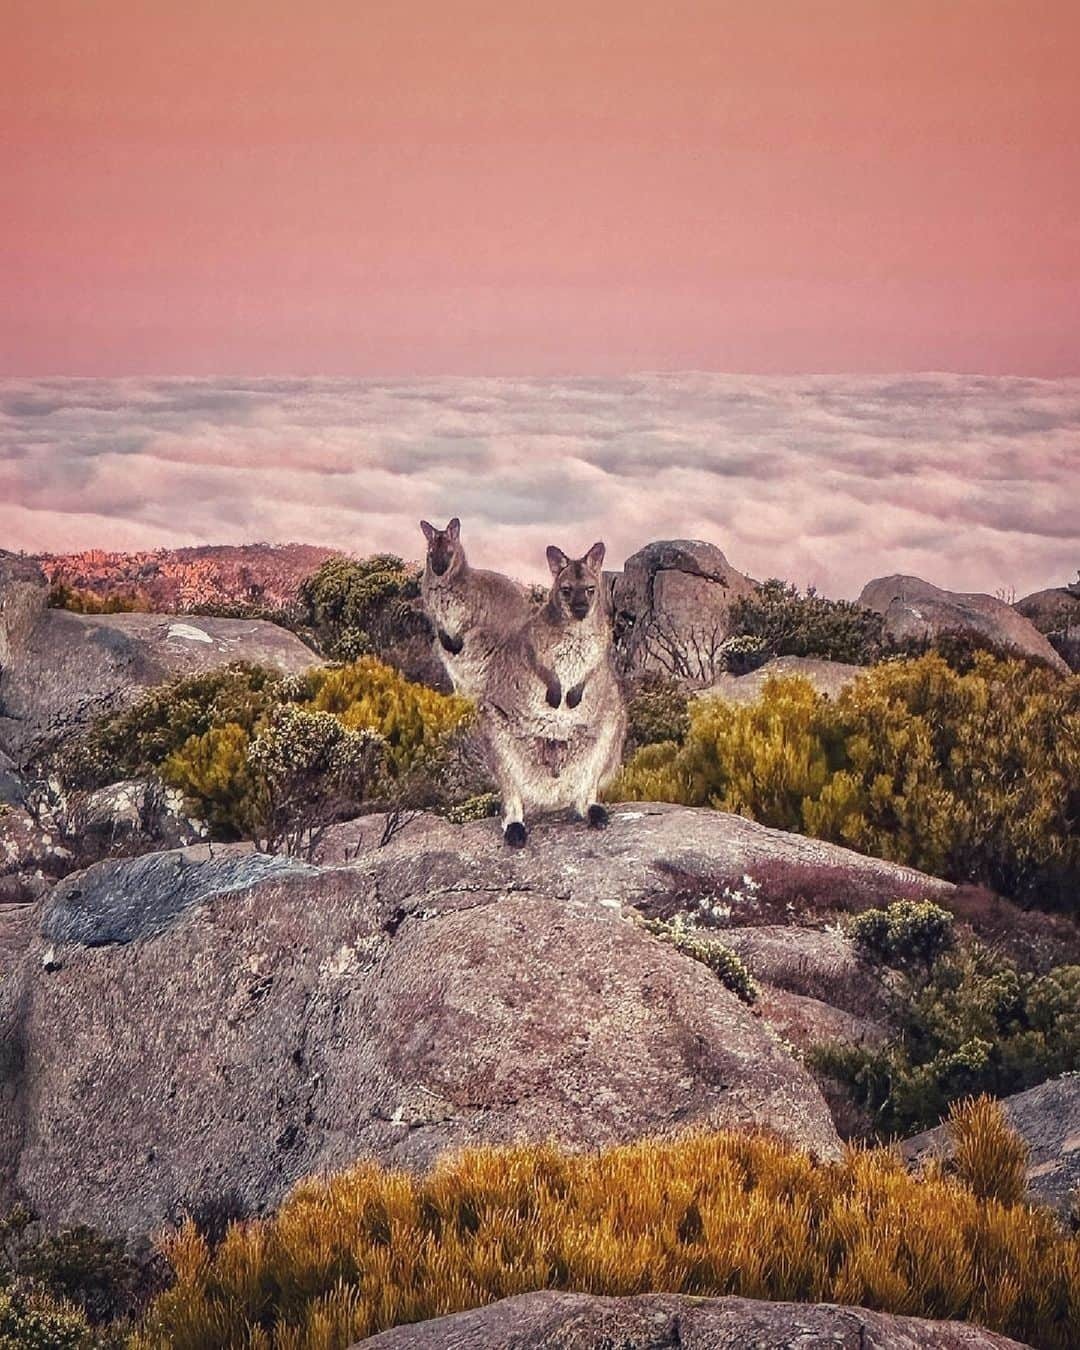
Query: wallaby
(473,611)
(552,711)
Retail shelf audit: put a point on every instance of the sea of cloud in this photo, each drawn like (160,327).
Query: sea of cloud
(969,481)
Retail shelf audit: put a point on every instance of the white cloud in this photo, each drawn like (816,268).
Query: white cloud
(970,481)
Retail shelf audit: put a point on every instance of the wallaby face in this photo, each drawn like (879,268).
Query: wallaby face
(577,583)
(444,551)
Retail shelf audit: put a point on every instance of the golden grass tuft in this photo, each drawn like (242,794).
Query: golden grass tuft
(706,1214)
(987,1155)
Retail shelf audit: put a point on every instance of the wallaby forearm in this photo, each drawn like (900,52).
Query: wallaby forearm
(547,677)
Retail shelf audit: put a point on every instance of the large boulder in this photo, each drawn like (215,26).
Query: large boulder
(671,603)
(217,1021)
(549,1320)
(827,677)
(66,669)
(1047,1118)
(914,609)
(1056,613)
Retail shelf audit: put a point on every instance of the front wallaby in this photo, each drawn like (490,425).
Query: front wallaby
(473,611)
(552,711)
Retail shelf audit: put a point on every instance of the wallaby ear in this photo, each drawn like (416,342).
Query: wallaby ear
(453,530)
(595,557)
(557,559)
(429,530)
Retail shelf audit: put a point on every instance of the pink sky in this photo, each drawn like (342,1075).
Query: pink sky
(410,186)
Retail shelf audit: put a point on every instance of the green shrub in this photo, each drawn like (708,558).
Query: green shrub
(76,1269)
(973,1024)
(908,933)
(479,807)
(792,624)
(744,652)
(657,709)
(366,607)
(32,1321)
(728,968)
(137,741)
(975,777)
(308,771)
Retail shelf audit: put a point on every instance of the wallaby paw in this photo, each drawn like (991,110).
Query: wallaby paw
(515,834)
(450,644)
(597,816)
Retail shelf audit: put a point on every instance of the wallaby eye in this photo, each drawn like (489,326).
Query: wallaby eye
(590,590)
(567,590)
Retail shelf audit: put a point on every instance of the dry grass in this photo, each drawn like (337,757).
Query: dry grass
(703,1214)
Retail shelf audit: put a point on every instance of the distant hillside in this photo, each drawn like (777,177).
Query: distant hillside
(169,580)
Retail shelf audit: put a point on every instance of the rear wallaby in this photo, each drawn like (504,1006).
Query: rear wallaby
(552,711)
(473,611)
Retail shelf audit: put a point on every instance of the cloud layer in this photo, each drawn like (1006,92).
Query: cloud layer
(971,482)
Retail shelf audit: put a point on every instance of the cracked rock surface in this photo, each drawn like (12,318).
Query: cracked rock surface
(560,1321)
(205,1021)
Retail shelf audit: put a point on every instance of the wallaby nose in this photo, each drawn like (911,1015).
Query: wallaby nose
(579,611)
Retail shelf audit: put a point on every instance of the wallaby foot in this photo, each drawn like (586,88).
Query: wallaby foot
(515,834)
(597,816)
(450,644)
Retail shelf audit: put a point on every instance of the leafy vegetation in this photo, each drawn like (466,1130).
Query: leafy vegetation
(792,623)
(54,1287)
(909,933)
(63,596)
(968,1020)
(352,1253)
(33,1321)
(256,754)
(728,968)
(973,776)
(657,709)
(368,607)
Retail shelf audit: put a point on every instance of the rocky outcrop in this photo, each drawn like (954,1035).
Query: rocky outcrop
(173,579)
(67,669)
(827,677)
(803,1022)
(548,1319)
(914,609)
(1047,1118)
(231,1021)
(654,851)
(671,603)
(23,596)
(1056,614)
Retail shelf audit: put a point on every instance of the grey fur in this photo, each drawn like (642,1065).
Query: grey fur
(473,611)
(552,712)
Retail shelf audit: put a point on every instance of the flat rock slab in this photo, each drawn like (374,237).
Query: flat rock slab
(648,849)
(204,1022)
(1047,1118)
(559,1321)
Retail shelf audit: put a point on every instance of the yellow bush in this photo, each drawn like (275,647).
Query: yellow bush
(986,1154)
(701,1214)
(969,775)
(368,695)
